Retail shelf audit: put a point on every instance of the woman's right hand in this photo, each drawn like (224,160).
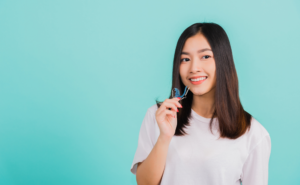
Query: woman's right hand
(167,119)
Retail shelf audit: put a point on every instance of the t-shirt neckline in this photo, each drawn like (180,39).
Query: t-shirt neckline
(201,118)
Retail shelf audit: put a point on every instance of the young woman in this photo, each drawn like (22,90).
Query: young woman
(211,139)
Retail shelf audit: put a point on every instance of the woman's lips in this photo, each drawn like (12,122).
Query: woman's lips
(198,82)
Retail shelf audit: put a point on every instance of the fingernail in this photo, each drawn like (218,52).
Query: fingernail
(179,98)
(177,110)
(180,106)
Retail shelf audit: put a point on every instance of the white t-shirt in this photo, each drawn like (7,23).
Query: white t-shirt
(202,158)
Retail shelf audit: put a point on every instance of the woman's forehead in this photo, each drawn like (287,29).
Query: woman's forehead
(196,43)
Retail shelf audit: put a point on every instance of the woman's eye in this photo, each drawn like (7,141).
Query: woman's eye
(206,56)
(184,59)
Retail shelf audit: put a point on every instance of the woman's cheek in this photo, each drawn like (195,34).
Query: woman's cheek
(212,68)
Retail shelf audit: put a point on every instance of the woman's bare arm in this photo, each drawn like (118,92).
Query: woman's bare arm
(150,171)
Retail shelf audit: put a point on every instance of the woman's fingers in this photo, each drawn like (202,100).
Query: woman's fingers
(168,103)
(170,113)
(177,103)
(171,105)
(166,119)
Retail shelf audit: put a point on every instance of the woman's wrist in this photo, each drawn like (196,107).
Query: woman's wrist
(164,139)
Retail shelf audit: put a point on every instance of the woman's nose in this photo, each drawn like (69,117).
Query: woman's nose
(195,66)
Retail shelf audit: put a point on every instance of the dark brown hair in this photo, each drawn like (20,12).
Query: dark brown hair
(233,119)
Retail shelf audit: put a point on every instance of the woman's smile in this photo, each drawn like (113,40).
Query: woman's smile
(197,80)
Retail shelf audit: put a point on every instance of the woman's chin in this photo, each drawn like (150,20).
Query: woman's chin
(198,93)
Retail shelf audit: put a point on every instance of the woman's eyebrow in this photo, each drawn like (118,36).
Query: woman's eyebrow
(199,51)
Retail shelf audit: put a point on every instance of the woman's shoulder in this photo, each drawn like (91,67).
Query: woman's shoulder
(150,122)
(149,118)
(257,129)
(257,132)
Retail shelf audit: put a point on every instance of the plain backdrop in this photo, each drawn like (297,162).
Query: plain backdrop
(77,76)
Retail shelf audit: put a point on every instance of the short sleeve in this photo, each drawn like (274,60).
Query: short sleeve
(255,169)
(146,139)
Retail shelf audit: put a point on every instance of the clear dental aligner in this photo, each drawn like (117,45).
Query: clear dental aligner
(177,92)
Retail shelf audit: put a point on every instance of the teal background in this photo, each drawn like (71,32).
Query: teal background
(76,79)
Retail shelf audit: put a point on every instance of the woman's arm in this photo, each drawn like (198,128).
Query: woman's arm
(154,156)
(256,167)
(150,171)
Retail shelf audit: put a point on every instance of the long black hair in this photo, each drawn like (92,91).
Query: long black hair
(233,119)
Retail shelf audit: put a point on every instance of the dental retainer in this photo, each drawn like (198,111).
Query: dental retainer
(177,93)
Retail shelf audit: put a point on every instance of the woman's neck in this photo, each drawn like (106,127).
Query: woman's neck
(204,105)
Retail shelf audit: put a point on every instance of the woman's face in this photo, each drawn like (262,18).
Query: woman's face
(198,63)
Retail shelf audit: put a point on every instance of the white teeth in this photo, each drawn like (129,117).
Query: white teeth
(195,80)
